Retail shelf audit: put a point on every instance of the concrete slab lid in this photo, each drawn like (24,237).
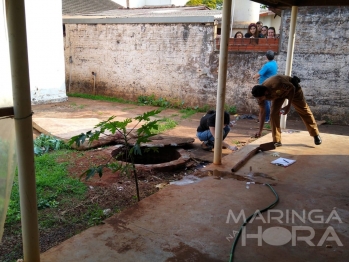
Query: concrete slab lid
(64,128)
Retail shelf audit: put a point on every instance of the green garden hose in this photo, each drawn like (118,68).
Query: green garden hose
(249,218)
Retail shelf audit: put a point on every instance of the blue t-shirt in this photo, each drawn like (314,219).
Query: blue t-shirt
(268,70)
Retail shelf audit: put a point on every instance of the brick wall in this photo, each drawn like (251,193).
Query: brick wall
(179,62)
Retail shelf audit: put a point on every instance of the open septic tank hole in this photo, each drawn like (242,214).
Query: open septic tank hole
(163,158)
(161,155)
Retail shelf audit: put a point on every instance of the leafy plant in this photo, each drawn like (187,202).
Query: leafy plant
(152,100)
(45,143)
(230,109)
(147,129)
(48,203)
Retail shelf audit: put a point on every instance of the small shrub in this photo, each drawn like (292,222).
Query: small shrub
(45,143)
(230,109)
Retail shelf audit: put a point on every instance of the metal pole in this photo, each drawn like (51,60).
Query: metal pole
(289,59)
(222,80)
(15,15)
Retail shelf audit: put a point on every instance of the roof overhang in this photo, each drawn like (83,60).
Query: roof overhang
(147,15)
(283,4)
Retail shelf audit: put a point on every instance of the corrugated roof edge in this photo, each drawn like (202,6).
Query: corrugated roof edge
(140,20)
(147,15)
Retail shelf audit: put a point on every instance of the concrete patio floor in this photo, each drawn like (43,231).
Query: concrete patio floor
(195,222)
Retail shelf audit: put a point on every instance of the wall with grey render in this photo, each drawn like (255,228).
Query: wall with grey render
(130,60)
(179,62)
(320,60)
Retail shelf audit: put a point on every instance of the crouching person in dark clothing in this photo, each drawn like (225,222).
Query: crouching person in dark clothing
(206,130)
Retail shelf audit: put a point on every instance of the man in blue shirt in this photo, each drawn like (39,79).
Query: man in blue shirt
(269,69)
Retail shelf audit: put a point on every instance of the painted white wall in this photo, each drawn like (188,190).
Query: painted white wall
(166,2)
(245,11)
(120,2)
(45,50)
(157,2)
(141,3)
(179,2)
(271,21)
(6,83)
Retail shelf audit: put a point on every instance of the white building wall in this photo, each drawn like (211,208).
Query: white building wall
(245,11)
(121,2)
(45,50)
(157,2)
(166,2)
(141,3)
(136,3)
(179,2)
(6,83)
(271,21)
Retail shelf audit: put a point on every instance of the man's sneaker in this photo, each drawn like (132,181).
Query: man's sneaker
(266,122)
(277,144)
(317,140)
(206,147)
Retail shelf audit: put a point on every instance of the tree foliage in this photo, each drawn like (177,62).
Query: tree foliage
(146,130)
(213,4)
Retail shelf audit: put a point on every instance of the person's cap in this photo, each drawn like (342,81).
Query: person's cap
(270,55)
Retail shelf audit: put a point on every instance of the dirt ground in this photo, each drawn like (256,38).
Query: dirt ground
(117,192)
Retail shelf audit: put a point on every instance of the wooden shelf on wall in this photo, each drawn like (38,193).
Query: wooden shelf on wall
(251,44)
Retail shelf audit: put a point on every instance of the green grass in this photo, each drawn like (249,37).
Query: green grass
(188,112)
(128,108)
(75,106)
(236,142)
(102,98)
(152,100)
(230,109)
(165,124)
(52,185)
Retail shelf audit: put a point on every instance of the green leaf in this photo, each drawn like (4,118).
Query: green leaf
(100,171)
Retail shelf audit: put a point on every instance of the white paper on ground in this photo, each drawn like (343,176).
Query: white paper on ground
(283,161)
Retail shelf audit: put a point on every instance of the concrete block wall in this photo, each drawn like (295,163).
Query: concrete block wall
(178,62)
(130,60)
(321,59)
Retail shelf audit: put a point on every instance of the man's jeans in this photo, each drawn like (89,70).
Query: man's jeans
(207,136)
(267,110)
